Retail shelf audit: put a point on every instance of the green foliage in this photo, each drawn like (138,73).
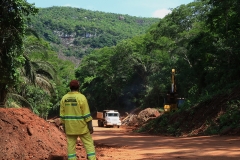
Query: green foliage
(12,29)
(52,74)
(44,78)
(162,125)
(142,64)
(75,30)
(226,121)
(189,41)
(39,100)
(213,56)
(232,116)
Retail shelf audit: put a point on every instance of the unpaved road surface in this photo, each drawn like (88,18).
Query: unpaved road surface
(122,144)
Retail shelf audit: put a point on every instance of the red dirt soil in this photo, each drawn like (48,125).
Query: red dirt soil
(25,136)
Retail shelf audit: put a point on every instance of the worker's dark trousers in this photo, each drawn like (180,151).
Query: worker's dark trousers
(87,143)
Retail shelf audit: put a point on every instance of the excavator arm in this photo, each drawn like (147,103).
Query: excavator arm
(171,97)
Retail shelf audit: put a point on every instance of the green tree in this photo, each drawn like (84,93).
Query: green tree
(13,15)
(36,89)
(223,23)
(213,50)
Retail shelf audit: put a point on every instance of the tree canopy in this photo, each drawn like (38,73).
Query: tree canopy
(12,29)
(192,39)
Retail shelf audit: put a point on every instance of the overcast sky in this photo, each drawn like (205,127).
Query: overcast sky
(139,8)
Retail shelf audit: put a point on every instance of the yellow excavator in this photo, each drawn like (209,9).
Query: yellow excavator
(171,99)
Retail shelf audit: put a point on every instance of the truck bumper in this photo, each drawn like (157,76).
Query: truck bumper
(113,124)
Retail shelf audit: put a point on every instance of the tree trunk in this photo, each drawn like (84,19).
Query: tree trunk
(3,95)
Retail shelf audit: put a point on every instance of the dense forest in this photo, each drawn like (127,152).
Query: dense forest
(126,61)
(137,71)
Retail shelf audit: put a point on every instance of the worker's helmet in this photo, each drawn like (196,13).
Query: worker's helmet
(74,85)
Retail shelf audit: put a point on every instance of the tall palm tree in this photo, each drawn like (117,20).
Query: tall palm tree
(38,73)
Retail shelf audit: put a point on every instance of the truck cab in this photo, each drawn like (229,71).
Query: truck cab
(109,118)
(112,118)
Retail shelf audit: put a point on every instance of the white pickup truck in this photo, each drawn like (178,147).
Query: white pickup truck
(108,118)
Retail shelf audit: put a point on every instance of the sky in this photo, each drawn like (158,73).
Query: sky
(139,8)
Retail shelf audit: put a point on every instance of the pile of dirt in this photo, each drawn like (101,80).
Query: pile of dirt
(138,118)
(24,135)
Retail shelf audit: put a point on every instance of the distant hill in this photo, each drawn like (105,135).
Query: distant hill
(76,31)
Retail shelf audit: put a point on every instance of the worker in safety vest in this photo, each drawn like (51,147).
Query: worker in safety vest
(77,121)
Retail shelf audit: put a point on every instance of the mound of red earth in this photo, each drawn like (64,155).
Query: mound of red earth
(140,117)
(26,136)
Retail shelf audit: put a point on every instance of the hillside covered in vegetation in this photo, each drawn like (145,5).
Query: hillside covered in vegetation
(77,31)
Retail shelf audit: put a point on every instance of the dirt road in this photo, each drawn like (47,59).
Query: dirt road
(122,144)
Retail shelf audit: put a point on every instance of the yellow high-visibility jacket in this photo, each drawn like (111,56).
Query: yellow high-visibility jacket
(75,113)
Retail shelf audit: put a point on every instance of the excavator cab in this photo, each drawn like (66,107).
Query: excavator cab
(171,99)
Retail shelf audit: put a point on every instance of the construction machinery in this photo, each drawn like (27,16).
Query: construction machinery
(171,99)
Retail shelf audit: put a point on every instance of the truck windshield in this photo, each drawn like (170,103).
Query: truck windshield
(112,114)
